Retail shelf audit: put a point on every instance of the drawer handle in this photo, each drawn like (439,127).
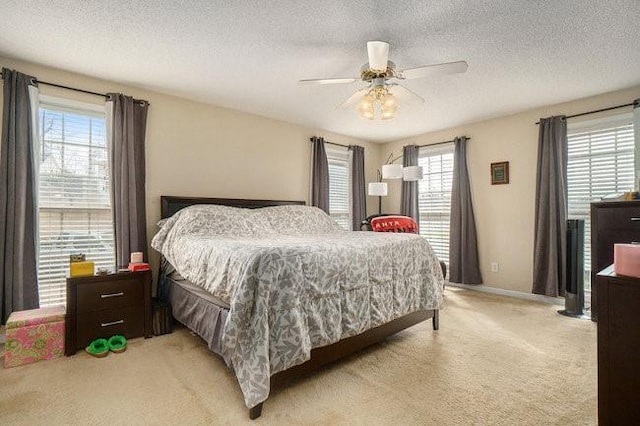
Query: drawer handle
(109,324)
(105,296)
(635,219)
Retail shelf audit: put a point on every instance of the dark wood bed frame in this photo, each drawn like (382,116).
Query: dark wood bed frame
(319,356)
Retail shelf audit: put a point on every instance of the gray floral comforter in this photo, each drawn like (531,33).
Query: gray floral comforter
(295,281)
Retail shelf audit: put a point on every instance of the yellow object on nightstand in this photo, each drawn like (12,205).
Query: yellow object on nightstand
(82,268)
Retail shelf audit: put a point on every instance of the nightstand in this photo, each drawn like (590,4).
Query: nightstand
(104,305)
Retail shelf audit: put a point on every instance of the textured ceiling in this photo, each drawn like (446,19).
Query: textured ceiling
(249,55)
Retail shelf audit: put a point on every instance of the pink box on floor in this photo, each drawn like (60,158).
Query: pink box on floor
(34,335)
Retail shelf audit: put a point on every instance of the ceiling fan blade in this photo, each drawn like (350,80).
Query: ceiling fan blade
(329,81)
(353,98)
(437,69)
(378,52)
(402,92)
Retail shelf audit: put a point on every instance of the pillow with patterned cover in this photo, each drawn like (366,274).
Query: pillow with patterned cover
(217,220)
(299,220)
(394,224)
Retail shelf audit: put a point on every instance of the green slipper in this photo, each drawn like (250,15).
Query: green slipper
(117,343)
(98,348)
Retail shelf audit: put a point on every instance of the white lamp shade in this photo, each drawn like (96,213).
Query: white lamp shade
(392,171)
(379,189)
(411,173)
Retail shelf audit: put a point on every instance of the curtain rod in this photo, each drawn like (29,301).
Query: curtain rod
(597,110)
(332,143)
(439,143)
(46,83)
(419,146)
(104,95)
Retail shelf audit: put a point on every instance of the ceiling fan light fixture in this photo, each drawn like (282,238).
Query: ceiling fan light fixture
(378,102)
(387,115)
(389,107)
(366,104)
(366,107)
(369,115)
(390,102)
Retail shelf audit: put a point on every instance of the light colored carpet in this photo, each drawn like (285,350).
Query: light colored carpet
(495,360)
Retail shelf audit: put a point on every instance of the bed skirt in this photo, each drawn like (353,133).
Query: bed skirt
(195,308)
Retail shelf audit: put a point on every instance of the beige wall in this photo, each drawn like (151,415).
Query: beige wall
(505,213)
(197,149)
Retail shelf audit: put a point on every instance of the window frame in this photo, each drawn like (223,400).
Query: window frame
(591,126)
(52,283)
(341,157)
(438,244)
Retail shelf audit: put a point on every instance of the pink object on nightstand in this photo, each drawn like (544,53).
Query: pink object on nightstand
(34,335)
(626,259)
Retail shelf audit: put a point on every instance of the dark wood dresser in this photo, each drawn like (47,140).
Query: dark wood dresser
(611,222)
(105,305)
(618,349)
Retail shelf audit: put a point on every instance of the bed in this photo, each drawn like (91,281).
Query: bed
(277,289)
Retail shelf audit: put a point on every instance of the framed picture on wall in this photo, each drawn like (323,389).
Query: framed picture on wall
(500,173)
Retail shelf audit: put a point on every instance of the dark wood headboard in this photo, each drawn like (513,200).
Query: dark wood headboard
(170,205)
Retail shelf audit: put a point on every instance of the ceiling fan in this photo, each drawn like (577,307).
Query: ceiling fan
(381,77)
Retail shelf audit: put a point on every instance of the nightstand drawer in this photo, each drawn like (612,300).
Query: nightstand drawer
(128,322)
(110,295)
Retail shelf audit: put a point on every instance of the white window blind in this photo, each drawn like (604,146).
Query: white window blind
(434,201)
(74,200)
(340,186)
(600,162)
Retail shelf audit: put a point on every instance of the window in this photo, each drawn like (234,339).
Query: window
(600,162)
(434,202)
(340,186)
(74,204)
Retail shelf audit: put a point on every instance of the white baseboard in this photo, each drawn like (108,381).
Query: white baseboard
(511,293)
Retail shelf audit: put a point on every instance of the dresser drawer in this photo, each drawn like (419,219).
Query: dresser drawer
(620,218)
(128,322)
(110,295)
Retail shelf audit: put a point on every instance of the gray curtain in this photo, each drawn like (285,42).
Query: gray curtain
(18,188)
(358,191)
(126,127)
(463,244)
(320,175)
(549,275)
(409,203)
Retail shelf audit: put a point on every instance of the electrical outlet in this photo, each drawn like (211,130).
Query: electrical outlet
(494,266)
